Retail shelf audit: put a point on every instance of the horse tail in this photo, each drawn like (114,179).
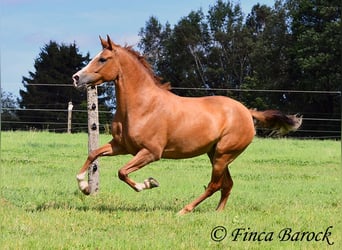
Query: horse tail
(275,120)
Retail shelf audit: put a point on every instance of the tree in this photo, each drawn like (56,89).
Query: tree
(316,51)
(187,51)
(50,87)
(151,43)
(268,58)
(177,54)
(229,45)
(316,56)
(8,114)
(200,51)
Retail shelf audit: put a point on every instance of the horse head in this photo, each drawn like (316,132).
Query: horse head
(104,67)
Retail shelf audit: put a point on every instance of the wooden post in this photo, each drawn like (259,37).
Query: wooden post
(70,106)
(93,138)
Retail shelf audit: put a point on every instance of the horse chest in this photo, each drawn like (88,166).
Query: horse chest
(131,136)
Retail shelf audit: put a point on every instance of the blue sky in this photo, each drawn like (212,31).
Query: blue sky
(27,25)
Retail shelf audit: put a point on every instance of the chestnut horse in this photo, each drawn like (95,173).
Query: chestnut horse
(152,123)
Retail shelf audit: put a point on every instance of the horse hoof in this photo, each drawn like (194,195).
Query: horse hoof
(86,191)
(182,212)
(187,209)
(152,183)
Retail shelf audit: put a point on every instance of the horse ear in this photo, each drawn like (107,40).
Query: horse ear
(107,44)
(110,43)
(103,43)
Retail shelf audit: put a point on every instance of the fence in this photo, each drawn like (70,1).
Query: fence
(315,125)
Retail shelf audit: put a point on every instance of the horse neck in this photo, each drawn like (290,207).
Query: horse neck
(134,85)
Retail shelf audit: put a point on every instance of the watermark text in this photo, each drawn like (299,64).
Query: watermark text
(287,234)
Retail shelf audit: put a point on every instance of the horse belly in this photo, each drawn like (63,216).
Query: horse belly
(185,151)
(191,140)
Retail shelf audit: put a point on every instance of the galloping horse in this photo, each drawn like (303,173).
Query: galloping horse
(151,122)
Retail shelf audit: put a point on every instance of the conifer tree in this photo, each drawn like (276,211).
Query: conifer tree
(50,87)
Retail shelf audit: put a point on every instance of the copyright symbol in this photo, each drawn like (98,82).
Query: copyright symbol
(218,233)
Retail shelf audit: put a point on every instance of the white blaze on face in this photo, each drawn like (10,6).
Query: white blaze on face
(77,77)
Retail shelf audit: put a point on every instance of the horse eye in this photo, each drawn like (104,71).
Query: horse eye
(102,60)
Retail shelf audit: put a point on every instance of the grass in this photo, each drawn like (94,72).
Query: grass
(277,184)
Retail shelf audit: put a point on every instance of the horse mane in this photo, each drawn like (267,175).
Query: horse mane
(147,66)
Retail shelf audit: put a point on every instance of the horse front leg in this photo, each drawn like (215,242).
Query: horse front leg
(141,159)
(108,149)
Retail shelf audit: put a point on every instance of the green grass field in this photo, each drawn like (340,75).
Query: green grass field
(279,185)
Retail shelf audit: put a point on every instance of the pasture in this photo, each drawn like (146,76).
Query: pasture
(279,184)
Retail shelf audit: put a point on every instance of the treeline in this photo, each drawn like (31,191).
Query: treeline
(294,45)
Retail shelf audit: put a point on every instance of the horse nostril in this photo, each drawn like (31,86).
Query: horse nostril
(76,77)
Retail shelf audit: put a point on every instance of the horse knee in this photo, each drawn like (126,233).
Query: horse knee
(91,156)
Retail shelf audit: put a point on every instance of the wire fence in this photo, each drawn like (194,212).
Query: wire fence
(315,125)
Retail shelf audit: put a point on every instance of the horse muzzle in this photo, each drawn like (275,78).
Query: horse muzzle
(79,81)
(76,79)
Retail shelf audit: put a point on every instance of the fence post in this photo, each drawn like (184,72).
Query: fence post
(93,137)
(70,106)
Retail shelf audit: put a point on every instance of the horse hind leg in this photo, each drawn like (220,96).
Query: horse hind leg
(191,206)
(213,186)
(220,179)
(227,185)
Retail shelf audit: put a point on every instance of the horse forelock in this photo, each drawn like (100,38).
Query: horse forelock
(148,67)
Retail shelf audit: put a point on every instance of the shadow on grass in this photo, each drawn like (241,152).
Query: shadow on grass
(106,205)
(103,208)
